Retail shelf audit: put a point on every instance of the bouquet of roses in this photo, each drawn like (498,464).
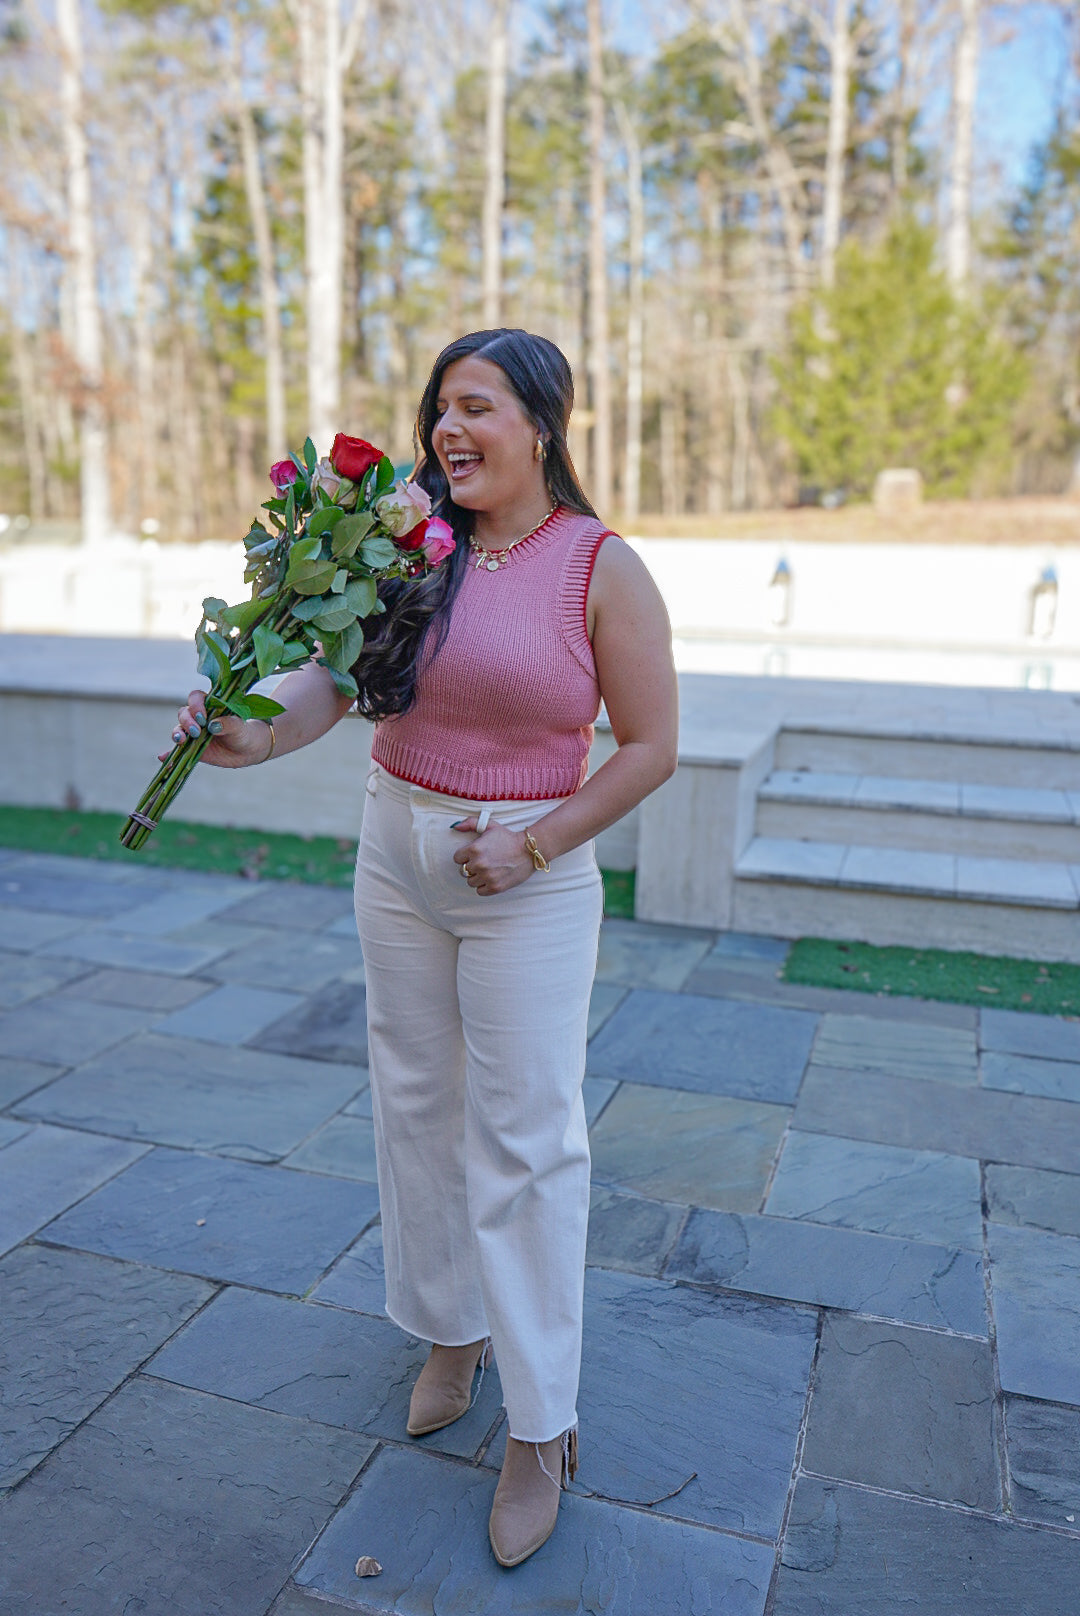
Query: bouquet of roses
(339,525)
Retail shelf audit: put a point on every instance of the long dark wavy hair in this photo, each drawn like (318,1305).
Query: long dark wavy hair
(540,377)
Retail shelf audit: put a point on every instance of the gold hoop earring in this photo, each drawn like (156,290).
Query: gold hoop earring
(540,450)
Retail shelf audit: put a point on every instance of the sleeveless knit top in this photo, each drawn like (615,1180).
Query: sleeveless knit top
(505,708)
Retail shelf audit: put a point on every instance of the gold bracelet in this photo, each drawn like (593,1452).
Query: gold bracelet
(269,722)
(539,861)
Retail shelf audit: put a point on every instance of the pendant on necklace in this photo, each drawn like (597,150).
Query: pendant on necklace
(492,566)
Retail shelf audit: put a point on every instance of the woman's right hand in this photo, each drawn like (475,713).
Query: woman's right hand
(238,743)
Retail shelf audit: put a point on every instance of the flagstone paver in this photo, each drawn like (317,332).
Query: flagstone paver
(852,1552)
(1027,1074)
(201,1096)
(49,1169)
(170,1500)
(139,990)
(1044,1478)
(221,1219)
(28,976)
(896,1048)
(701,1149)
(884,1189)
(322,1363)
(75,1327)
(839,1268)
(425,1519)
(815,1381)
(1036,1199)
(908,1410)
(753,1052)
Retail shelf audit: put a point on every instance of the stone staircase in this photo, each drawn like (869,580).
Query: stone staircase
(962,842)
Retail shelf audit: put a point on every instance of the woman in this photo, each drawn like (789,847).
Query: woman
(478,899)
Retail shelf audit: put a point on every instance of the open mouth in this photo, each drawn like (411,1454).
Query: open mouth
(463,463)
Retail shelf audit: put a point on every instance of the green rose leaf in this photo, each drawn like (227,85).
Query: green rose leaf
(237,705)
(316,583)
(242,616)
(324,520)
(213,608)
(342,650)
(305,610)
(341,578)
(345,682)
(305,549)
(349,532)
(361,595)
(310,457)
(378,552)
(334,620)
(295,651)
(213,651)
(290,507)
(268,648)
(262,706)
(384,475)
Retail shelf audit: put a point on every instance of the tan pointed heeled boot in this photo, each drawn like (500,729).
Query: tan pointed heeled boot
(443,1390)
(526,1504)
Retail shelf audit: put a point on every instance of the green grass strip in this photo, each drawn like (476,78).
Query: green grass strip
(260,855)
(1046,988)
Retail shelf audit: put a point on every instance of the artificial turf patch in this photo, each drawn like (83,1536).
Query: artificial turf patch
(1045,987)
(259,855)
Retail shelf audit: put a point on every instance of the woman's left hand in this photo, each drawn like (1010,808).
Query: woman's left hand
(494,861)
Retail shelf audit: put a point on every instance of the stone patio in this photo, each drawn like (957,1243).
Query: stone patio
(832,1304)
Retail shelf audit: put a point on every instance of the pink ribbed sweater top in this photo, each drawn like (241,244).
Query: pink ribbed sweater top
(505,707)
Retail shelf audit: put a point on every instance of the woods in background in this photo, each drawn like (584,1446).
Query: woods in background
(753,230)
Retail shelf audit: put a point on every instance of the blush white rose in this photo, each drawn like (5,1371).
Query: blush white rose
(403,508)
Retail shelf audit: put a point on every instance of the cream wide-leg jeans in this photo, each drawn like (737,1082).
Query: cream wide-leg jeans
(477,1023)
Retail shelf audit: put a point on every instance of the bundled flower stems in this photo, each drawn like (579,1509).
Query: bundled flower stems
(340,525)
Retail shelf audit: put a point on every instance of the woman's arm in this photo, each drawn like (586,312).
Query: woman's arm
(313,705)
(631,639)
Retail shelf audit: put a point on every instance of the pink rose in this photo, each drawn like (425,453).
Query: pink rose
(438,541)
(283,474)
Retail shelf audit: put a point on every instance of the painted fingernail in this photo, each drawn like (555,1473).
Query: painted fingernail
(178,735)
(195,730)
(215,726)
(456,823)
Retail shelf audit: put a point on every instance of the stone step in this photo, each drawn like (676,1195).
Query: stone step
(1011,822)
(1044,763)
(788,888)
(1026,884)
(783,909)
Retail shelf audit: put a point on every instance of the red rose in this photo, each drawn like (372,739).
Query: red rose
(351,457)
(415,536)
(282,474)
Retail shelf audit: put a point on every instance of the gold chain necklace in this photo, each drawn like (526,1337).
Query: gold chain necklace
(494,559)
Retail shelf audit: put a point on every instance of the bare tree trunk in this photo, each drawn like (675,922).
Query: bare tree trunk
(494,163)
(93,436)
(325,53)
(269,295)
(898,136)
(599,360)
(25,381)
(958,240)
(635,315)
(740,445)
(836,145)
(146,488)
(779,167)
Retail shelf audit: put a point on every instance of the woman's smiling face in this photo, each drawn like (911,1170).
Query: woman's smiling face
(484,440)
